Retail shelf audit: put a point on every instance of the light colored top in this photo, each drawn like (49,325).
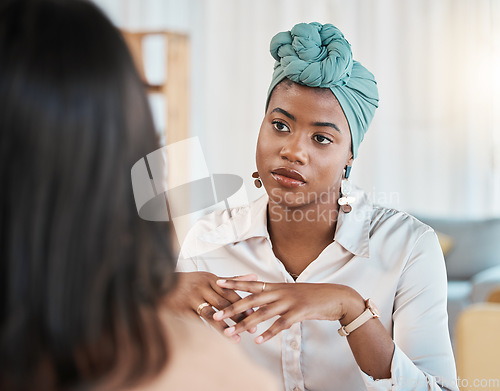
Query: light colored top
(202,359)
(386,255)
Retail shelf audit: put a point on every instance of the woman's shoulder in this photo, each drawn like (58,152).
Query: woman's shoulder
(218,217)
(202,359)
(386,218)
(223,226)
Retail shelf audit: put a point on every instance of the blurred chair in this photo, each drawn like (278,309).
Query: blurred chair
(472,254)
(477,347)
(494,295)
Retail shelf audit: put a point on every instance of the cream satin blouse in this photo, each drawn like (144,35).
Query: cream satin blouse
(386,255)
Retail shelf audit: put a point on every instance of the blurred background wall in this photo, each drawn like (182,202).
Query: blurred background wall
(434,146)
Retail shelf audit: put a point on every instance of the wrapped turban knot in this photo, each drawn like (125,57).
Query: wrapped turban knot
(317,55)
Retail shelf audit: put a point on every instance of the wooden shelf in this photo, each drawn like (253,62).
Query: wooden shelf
(176,85)
(175,90)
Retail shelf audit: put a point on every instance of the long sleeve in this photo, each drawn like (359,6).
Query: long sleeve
(423,357)
(384,254)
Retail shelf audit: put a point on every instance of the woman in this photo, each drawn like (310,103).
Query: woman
(324,254)
(83,280)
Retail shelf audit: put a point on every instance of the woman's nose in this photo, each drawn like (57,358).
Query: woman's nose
(294,151)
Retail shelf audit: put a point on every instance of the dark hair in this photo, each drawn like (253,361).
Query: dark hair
(81,275)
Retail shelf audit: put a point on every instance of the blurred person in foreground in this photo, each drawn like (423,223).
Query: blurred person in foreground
(83,279)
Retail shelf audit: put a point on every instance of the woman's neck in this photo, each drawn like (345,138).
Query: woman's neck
(300,234)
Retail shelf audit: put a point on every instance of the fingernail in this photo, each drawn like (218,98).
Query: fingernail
(229,330)
(248,312)
(218,315)
(221,282)
(236,338)
(252,330)
(259,339)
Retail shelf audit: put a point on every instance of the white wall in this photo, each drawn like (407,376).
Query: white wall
(434,146)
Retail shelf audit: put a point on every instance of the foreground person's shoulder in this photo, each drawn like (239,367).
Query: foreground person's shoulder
(202,359)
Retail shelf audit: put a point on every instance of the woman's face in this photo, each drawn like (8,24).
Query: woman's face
(304,144)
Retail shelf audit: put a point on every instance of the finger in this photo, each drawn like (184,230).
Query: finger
(247,286)
(231,296)
(221,303)
(207,314)
(245,277)
(249,302)
(217,300)
(228,294)
(284,322)
(262,314)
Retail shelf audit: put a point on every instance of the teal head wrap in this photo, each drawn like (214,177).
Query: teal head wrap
(317,55)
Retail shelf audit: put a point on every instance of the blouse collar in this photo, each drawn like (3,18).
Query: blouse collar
(352,232)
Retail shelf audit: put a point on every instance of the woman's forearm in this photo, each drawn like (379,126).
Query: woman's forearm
(371,344)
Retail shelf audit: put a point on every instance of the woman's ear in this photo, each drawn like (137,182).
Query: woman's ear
(351,159)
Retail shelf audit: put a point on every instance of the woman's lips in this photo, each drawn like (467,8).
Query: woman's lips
(288,178)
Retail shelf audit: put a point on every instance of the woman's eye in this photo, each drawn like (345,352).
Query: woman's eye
(280,126)
(321,139)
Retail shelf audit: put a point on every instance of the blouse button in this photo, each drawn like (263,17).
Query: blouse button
(294,345)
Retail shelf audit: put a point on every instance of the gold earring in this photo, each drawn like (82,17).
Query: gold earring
(257,182)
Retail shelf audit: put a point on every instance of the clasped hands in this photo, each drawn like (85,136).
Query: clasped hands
(291,302)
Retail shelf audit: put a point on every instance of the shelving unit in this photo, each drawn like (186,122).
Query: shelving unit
(175,88)
(175,91)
